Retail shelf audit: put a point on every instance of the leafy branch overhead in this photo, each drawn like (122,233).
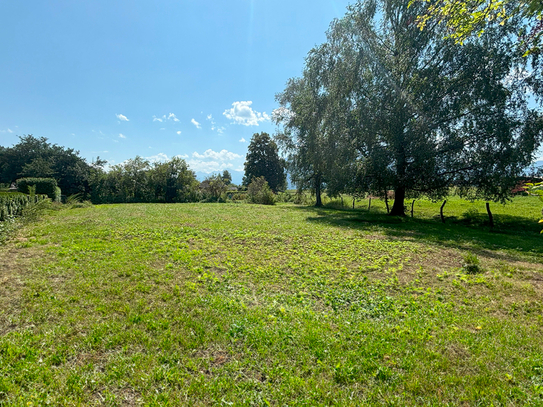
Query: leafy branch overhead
(464,18)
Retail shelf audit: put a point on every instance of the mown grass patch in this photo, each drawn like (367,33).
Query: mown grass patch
(232,304)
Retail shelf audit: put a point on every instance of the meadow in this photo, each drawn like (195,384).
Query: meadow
(286,305)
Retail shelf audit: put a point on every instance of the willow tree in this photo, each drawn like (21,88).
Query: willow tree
(421,112)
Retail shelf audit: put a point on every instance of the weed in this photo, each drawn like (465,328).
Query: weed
(471,264)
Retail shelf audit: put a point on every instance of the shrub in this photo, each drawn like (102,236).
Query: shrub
(58,195)
(259,192)
(13,204)
(47,186)
(471,264)
(238,196)
(285,197)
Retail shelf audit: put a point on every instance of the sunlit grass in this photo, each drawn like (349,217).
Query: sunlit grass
(236,304)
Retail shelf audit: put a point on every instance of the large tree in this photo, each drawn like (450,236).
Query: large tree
(422,112)
(263,160)
(316,154)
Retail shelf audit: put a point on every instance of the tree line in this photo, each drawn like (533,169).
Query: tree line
(137,179)
(383,105)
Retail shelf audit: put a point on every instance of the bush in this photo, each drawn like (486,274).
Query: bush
(285,197)
(58,195)
(471,264)
(238,196)
(259,192)
(13,204)
(47,186)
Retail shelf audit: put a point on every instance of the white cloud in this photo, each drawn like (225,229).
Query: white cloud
(122,117)
(122,135)
(6,131)
(160,157)
(179,132)
(208,166)
(242,140)
(242,113)
(171,116)
(220,130)
(212,161)
(223,155)
(164,117)
(198,126)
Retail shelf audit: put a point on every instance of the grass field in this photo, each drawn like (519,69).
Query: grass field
(247,305)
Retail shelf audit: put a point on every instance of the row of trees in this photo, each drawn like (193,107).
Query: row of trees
(383,105)
(135,180)
(138,180)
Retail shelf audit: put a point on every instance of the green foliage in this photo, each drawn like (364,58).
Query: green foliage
(259,192)
(263,161)
(213,188)
(58,194)
(467,18)
(471,264)
(226,177)
(47,186)
(14,204)
(385,106)
(285,197)
(137,180)
(37,158)
(536,189)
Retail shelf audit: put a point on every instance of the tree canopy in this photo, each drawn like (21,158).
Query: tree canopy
(263,160)
(465,18)
(36,157)
(383,105)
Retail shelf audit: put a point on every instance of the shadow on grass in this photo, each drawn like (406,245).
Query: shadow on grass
(519,237)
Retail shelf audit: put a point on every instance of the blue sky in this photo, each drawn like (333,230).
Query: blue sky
(117,79)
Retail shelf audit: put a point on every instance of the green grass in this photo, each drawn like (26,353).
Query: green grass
(235,304)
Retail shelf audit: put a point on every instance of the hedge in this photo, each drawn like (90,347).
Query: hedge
(47,186)
(13,203)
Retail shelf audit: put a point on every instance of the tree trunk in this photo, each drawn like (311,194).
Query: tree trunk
(441,211)
(398,208)
(490,217)
(369,204)
(412,206)
(318,190)
(353,201)
(386,201)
